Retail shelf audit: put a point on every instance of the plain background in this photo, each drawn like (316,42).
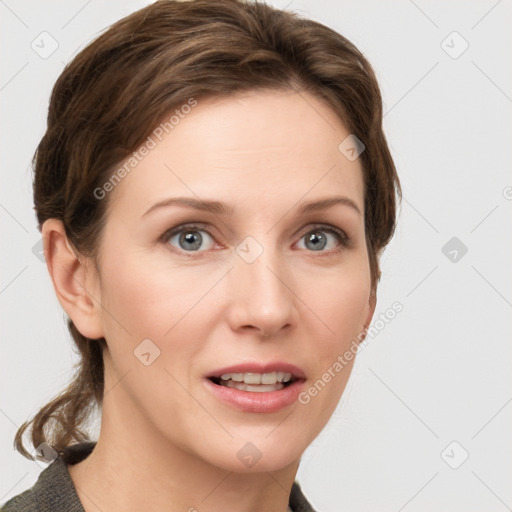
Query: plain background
(433,387)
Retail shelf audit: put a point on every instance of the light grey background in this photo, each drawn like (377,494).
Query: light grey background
(440,371)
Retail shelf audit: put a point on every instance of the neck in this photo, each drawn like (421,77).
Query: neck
(133,468)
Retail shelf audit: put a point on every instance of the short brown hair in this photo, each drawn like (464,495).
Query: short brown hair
(116,91)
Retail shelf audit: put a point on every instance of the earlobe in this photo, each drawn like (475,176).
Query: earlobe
(75,285)
(372,304)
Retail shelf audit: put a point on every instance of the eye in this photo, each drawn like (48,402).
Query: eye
(187,238)
(316,239)
(190,238)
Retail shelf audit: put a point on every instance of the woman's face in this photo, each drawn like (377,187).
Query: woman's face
(186,292)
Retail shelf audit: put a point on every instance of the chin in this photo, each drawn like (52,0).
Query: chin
(245,456)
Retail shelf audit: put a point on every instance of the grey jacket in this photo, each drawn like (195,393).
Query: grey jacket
(54,490)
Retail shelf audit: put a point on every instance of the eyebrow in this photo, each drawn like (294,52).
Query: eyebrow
(219,208)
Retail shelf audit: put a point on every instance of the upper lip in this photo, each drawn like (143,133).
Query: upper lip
(270,367)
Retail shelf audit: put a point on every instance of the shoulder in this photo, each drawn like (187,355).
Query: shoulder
(299,502)
(50,492)
(54,490)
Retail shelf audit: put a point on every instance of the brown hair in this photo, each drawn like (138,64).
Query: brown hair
(117,90)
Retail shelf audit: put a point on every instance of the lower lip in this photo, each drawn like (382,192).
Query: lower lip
(252,401)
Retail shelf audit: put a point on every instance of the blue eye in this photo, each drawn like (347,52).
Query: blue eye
(316,240)
(189,238)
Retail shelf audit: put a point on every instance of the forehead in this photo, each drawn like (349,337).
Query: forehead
(256,149)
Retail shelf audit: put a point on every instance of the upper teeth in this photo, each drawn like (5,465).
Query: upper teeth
(258,378)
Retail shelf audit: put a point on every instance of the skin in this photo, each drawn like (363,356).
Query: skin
(166,443)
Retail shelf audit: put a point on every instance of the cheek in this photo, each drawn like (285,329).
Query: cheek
(148,299)
(143,303)
(169,306)
(341,300)
(342,306)
(347,310)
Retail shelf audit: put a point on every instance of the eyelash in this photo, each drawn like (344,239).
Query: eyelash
(344,240)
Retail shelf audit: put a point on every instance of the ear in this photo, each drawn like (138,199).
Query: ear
(372,303)
(75,280)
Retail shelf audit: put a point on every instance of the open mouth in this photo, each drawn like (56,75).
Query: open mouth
(241,385)
(257,388)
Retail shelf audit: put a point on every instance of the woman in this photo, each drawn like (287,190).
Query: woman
(214,191)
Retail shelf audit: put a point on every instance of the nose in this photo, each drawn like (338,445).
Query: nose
(261,295)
